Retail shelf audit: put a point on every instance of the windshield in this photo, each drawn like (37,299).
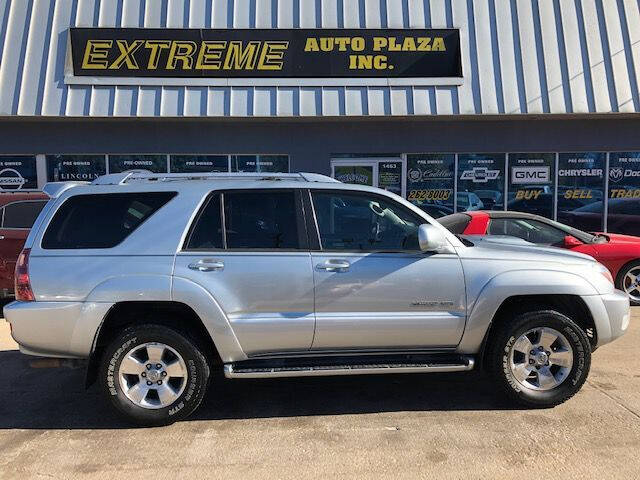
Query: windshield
(579,234)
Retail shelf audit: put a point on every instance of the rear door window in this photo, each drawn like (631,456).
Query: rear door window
(263,219)
(22,214)
(101,221)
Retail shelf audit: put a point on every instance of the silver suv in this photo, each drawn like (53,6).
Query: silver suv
(159,280)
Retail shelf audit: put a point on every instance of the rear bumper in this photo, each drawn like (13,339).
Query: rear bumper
(611,314)
(55,329)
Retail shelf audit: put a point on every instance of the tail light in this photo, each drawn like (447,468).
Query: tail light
(22,281)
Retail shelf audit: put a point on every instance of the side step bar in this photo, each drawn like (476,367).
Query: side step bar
(239,370)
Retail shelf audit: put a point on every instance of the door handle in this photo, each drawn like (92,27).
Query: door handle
(339,266)
(207,265)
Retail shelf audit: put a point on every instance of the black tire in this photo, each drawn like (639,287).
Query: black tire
(620,278)
(507,333)
(194,388)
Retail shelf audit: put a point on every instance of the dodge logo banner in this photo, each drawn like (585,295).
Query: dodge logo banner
(293,53)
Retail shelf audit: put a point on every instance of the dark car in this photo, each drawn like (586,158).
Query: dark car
(623,216)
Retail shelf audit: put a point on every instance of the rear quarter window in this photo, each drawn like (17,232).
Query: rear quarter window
(101,221)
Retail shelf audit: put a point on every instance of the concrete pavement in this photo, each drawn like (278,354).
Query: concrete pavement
(436,426)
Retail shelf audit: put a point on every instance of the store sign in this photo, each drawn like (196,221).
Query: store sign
(18,173)
(293,53)
(84,168)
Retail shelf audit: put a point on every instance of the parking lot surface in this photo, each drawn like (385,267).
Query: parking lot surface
(413,426)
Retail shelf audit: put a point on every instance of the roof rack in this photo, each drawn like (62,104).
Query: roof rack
(137,176)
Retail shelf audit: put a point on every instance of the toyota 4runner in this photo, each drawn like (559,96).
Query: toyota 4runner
(158,280)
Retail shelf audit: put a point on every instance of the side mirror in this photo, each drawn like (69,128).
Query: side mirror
(431,239)
(571,242)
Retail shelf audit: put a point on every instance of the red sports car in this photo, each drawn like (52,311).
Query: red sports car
(619,253)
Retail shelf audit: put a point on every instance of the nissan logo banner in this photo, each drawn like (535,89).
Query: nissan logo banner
(18,173)
(293,53)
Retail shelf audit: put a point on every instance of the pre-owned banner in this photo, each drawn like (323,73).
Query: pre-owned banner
(199,163)
(481,174)
(146,163)
(293,53)
(430,178)
(65,168)
(531,183)
(18,172)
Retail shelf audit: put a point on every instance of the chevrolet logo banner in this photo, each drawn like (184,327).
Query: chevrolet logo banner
(293,53)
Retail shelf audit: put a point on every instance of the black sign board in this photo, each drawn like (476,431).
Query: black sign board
(430,178)
(147,163)
(293,53)
(65,168)
(18,172)
(199,163)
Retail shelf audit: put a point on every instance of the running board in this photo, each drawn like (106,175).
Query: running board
(249,369)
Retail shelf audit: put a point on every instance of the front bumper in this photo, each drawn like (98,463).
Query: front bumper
(611,314)
(55,329)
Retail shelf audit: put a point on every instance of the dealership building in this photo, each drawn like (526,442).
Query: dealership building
(528,105)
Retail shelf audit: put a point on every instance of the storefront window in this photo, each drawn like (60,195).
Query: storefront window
(260,163)
(149,163)
(624,193)
(480,181)
(198,163)
(18,172)
(581,189)
(86,168)
(531,179)
(430,178)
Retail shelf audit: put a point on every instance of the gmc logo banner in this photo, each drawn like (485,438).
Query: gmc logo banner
(262,53)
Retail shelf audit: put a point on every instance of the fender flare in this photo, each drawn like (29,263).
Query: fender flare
(212,316)
(510,284)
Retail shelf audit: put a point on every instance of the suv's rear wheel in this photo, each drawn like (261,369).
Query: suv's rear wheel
(153,375)
(540,359)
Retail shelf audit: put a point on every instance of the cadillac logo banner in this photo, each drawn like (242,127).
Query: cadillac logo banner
(265,53)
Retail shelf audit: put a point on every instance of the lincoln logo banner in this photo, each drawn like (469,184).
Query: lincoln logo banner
(293,53)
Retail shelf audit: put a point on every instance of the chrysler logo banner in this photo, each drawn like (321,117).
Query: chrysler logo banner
(293,53)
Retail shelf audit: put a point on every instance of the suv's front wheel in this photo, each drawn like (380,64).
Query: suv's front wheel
(541,359)
(154,375)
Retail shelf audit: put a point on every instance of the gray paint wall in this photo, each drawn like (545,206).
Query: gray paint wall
(311,143)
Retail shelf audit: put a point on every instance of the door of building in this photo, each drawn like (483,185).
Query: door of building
(388,173)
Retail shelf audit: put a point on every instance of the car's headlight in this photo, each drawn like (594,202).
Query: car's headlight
(604,271)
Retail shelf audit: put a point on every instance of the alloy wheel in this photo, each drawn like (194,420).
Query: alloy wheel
(541,359)
(631,283)
(152,375)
